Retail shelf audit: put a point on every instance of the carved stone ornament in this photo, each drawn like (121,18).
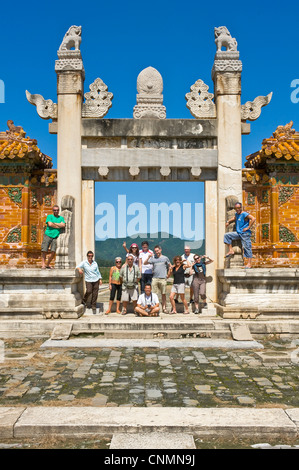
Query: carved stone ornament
(196,172)
(103,171)
(226,60)
(72,38)
(46,109)
(165,171)
(199,101)
(251,110)
(98,100)
(134,170)
(149,97)
(70,59)
(223,39)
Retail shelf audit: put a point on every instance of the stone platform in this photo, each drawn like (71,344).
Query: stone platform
(248,293)
(40,293)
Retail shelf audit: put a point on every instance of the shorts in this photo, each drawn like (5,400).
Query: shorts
(49,242)
(115,288)
(159,284)
(178,288)
(129,294)
(188,280)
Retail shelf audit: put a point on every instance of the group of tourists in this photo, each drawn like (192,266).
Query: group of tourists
(143,275)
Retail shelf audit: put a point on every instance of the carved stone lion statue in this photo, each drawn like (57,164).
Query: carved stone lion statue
(72,38)
(223,39)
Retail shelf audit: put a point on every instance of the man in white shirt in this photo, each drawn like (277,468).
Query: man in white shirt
(148,303)
(145,269)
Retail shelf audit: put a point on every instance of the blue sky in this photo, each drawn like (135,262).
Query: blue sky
(119,39)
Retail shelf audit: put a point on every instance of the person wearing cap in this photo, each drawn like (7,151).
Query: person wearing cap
(145,269)
(115,286)
(133,250)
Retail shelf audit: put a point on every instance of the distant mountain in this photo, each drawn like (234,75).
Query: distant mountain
(106,251)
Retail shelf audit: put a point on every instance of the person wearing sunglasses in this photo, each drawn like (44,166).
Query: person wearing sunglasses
(199,280)
(115,286)
(93,279)
(134,251)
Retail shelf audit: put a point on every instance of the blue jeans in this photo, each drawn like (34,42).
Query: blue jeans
(245,238)
(145,279)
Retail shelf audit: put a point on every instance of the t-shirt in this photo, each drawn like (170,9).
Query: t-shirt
(145,300)
(51,231)
(145,268)
(160,266)
(241,222)
(91,271)
(178,275)
(130,276)
(190,260)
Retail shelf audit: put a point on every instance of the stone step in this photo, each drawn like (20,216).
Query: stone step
(158,334)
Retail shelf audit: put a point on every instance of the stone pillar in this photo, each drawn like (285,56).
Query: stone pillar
(88,212)
(226,75)
(211,237)
(70,77)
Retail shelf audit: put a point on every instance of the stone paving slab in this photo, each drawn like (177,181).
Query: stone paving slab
(225,422)
(152,343)
(153,440)
(8,417)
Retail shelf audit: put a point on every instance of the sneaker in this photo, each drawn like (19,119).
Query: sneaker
(196,310)
(205,305)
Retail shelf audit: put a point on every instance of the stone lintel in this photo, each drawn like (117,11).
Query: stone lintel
(149,128)
(148,174)
(246,129)
(136,157)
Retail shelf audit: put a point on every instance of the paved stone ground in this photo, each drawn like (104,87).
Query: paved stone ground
(142,377)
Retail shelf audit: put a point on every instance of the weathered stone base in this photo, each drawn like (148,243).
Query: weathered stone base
(247,293)
(40,293)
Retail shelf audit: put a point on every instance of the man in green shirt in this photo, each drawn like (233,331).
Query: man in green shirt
(55,223)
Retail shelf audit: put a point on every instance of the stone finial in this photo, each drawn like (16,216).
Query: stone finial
(98,100)
(46,109)
(70,59)
(251,110)
(72,38)
(149,97)
(223,38)
(226,60)
(199,101)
